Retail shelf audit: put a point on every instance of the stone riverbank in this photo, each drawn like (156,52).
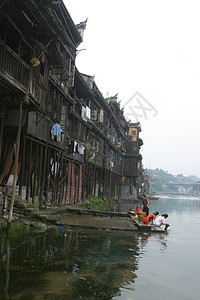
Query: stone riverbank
(70,217)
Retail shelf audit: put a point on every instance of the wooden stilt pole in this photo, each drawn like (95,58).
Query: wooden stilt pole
(21,175)
(28,164)
(15,167)
(54,179)
(44,177)
(47,177)
(40,177)
(1,128)
(62,180)
(35,180)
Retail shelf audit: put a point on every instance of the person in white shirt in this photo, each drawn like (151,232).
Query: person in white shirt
(159,221)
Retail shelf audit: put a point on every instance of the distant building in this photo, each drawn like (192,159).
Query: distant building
(132,159)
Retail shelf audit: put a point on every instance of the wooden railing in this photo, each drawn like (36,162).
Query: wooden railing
(13,65)
(15,68)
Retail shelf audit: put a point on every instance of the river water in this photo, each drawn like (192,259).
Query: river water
(103,264)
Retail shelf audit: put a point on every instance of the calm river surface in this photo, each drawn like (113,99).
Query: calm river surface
(91,264)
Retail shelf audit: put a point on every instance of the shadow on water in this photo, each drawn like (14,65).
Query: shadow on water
(67,264)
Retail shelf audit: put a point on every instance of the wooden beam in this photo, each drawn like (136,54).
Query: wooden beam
(44,175)
(15,167)
(29,173)
(40,176)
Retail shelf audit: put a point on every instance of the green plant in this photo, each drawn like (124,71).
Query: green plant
(2,227)
(18,227)
(98,203)
(56,231)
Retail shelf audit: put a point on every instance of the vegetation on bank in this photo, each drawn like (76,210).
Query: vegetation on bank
(98,203)
(25,222)
(15,228)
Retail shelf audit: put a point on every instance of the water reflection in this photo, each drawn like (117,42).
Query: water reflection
(91,264)
(5,251)
(159,241)
(70,264)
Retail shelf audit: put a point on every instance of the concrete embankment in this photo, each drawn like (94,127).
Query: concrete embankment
(73,217)
(83,218)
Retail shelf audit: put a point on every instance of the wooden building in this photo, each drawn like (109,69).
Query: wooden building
(71,140)
(132,161)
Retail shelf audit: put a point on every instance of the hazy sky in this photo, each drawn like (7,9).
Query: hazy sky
(151,48)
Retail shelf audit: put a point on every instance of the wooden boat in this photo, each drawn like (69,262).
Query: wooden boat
(147,227)
(153,196)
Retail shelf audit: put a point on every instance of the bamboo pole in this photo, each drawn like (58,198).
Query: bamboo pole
(15,167)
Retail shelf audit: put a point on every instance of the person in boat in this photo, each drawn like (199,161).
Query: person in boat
(145,205)
(160,221)
(150,218)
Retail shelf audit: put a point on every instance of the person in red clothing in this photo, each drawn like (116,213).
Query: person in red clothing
(150,218)
(145,204)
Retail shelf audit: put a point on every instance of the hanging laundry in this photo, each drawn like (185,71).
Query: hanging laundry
(83,113)
(56,132)
(88,112)
(75,146)
(56,129)
(92,155)
(58,138)
(81,149)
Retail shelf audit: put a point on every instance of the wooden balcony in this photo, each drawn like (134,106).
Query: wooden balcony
(15,76)
(13,70)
